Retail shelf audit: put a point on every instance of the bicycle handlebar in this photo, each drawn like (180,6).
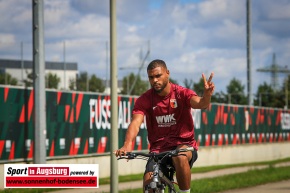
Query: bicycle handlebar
(133,155)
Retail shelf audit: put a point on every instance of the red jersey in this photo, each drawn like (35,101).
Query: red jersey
(168,118)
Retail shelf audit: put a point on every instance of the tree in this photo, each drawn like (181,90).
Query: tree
(82,82)
(139,88)
(286,88)
(7,79)
(72,84)
(235,91)
(96,84)
(279,100)
(196,87)
(29,81)
(199,87)
(173,81)
(52,81)
(265,95)
(188,83)
(268,97)
(219,97)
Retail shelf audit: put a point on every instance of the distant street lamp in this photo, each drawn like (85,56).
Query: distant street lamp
(264,93)
(260,96)
(286,93)
(127,78)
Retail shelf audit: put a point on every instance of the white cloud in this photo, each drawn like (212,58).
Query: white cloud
(6,39)
(88,26)
(216,10)
(14,18)
(276,11)
(57,12)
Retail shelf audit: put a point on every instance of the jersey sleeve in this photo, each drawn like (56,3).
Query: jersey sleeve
(139,107)
(188,94)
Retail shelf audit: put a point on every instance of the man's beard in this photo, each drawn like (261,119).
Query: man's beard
(161,88)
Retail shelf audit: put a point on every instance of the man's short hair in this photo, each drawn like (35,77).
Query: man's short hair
(156,63)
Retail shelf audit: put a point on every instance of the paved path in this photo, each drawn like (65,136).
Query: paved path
(279,187)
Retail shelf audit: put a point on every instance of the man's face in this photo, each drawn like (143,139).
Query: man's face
(158,78)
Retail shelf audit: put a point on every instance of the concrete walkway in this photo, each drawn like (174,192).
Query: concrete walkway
(276,187)
(279,187)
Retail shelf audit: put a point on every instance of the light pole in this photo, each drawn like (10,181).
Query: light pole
(114,97)
(130,88)
(286,93)
(249,54)
(260,97)
(127,79)
(39,82)
(22,63)
(64,66)
(229,98)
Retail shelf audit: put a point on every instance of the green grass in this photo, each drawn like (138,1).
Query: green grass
(242,180)
(28,190)
(235,181)
(250,178)
(136,177)
(213,168)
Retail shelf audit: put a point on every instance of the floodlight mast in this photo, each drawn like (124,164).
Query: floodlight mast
(129,90)
(139,70)
(39,82)
(114,97)
(249,54)
(274,69)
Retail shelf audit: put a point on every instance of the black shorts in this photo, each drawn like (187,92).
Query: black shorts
(168,162)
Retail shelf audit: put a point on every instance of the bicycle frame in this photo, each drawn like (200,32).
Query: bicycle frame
(159,180)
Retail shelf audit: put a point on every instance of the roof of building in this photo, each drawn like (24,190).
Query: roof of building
(107,83)
(17,64)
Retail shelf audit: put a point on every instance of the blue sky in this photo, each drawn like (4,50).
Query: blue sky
(191,36)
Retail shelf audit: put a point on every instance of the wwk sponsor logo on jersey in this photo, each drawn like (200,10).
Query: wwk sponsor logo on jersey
(166,120)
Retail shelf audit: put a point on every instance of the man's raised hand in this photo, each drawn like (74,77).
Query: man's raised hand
(208,85)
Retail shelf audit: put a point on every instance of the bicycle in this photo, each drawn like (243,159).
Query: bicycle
(160,177)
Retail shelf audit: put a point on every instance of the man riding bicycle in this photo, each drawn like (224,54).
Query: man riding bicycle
(169,123)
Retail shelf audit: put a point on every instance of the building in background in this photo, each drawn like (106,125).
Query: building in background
(107,84)
(20,69)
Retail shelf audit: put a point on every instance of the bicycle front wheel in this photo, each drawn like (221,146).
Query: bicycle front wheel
(158,191)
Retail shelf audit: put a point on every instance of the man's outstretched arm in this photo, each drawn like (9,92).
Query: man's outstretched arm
(131,134)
